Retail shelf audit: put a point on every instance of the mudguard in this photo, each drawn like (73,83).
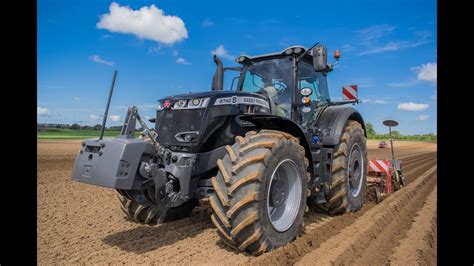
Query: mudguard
(333,120)
(277,123)
(111,163)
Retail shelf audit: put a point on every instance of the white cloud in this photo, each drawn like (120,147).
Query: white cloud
(156,49)
(422,117)
(426,72)
(222,52)
(374,101)
(347,48)
(374,40)
(411,106)
(207,23)
(375,32)
(149,23)
(393,46)
(364,82)
(402,84)
(43,111)
(99,60)
(182,61)
(95,117)
(114,118)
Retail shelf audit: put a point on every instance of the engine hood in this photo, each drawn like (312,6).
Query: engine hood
(222,97)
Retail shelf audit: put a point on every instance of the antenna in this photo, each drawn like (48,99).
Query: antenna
(390,124)
(108,105)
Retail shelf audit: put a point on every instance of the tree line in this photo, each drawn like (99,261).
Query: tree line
(396,135)
(76,126)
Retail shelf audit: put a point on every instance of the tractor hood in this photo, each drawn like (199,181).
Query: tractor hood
(221,98)
(200,122)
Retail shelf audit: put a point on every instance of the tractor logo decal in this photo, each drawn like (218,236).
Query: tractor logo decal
(242,100)
(167,104)
(379,166)
(349,92)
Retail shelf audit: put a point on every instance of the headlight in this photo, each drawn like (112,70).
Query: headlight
(186,136)
(180,104)
(306,91)
(198,103)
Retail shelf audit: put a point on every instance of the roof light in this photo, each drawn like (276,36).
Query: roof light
(241,59)
(288,51)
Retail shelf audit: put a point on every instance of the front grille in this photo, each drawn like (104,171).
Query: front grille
(171,122)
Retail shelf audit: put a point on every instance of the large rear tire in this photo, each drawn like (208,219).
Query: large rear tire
(260,191)
(349,172)
(150,214)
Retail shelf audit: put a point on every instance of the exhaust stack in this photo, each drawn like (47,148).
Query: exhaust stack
(218,80)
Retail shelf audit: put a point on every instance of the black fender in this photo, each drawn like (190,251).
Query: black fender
(333,120)
(264,121)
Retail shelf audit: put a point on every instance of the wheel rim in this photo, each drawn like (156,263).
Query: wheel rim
(284,195)
(356,170)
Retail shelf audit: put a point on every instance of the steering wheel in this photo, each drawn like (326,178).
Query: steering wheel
(280,87)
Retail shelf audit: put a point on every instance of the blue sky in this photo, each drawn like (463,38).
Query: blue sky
(388,48)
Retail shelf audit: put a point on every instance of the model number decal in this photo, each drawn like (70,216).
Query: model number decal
(242,100)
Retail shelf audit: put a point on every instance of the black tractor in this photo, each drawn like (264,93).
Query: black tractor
(259,154)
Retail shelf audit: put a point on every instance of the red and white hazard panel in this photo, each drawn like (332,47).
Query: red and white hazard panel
(379,166)
(349,92)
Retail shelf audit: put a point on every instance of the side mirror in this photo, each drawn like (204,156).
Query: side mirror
(320,58)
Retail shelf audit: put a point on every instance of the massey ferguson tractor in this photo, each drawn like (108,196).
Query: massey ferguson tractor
(259,154)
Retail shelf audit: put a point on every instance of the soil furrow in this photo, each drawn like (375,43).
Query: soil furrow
(370,230)
(83,224)
(420,242)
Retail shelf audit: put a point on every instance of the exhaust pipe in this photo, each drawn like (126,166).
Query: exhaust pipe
(218,80)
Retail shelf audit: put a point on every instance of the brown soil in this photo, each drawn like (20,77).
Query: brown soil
(79,223)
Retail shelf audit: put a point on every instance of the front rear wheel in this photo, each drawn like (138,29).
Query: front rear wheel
(349,172)
(260,191)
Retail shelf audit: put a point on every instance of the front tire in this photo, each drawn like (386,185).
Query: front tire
(260,191)
(349,172)
(147,213)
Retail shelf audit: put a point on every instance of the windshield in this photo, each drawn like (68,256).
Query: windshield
(273,77)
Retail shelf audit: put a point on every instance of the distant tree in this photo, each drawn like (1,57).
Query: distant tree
(75,127)
(98,127)
(115,128)
(369,129)
(396,134)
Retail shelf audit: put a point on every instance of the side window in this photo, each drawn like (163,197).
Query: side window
(314,85)
(308,77)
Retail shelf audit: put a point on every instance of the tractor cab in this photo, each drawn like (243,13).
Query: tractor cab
(295,85)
